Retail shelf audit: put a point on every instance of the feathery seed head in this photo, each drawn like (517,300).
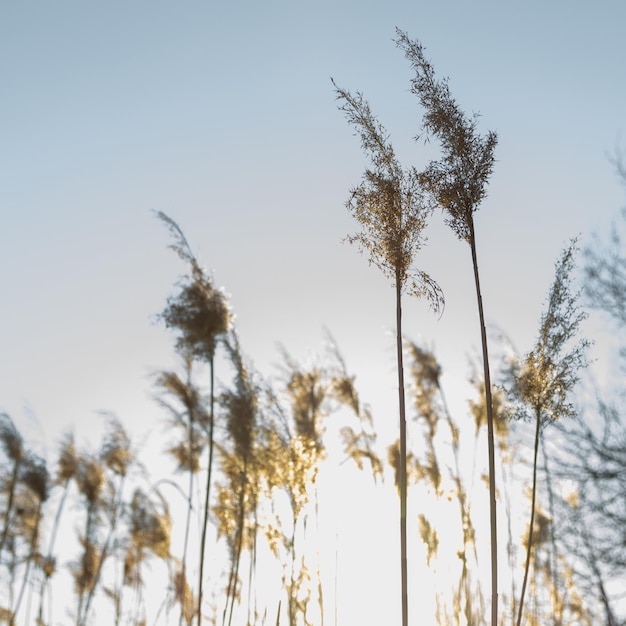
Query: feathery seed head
(68,460)
(184,595)
(307,393)
(116,452)
(85,573)
(426,366)
(543,380)
(150,529)
(501,411)
(199,313)
(90,478)
(188,459)
(389,204)
(242,402)
(345,392)
(10,439)
(458,181)
(35,476)
(425,372)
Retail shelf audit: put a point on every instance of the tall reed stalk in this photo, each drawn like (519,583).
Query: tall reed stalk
(200,315)
(187,452)
(117,456)
(207,490)
(546,376)
(35,478)
(90,479)
(392,212)
(241,407)
(67,467)
(458,183)
(426,375)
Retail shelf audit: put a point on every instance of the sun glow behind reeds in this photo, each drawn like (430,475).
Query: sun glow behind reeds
(346,535)
(349,544)
(203,113)
(304,507)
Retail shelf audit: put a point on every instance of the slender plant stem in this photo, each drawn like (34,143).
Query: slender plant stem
(208,490)
(490,435)
(292,600)
(402,472)
(91,510)
(252,567)
(188,520)
(117,503)
(320,589)
(553,551)
(464,581)
(118,596)
(532,521)
(229,590)
(31,556)
(242,511)
(55,527)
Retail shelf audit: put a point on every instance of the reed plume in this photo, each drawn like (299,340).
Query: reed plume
(391,208)
(457,182)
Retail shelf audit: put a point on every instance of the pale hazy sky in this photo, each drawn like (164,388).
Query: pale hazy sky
(223,116)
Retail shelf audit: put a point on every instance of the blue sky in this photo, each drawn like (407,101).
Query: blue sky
(223,116)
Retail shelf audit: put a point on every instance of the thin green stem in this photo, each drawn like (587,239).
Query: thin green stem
(320,590)
(490,434)
(190,417)
(55,527)
(29,562)
(208,490)
(91,510)
(402,472)
(117,503)
(468,531)
(532,520)
(292,584)
(252,566)
(242,511)
(553,550)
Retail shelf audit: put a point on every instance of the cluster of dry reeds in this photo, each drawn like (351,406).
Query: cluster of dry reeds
(392,206)
(249,454)
(269,443)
